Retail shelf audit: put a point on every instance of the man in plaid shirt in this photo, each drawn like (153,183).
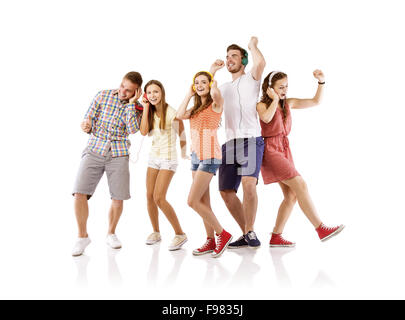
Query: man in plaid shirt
(112,116)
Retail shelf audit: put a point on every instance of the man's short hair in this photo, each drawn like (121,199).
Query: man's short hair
(134,77)
(236,47)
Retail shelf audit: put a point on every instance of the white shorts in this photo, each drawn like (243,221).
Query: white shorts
(162,164)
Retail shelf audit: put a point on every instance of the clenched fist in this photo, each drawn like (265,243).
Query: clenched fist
(86,125)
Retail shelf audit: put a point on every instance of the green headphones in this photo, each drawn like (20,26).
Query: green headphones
(245,60)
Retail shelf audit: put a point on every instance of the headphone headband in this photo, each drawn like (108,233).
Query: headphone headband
(272,75)
(211,81)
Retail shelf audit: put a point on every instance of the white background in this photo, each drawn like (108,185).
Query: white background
(56,55)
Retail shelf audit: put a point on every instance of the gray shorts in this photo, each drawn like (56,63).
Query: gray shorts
(92,168)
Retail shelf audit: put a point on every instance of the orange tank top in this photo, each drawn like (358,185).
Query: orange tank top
(204,141)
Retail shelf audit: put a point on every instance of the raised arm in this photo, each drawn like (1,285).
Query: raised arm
(295,103)
(182,112)
(144,128)
(216,97)
(218,64)
(267,114)
(258,60)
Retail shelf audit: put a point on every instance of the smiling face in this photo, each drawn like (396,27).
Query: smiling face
(127,89)
(281,87)
(202,85)
(154,94)
(234,61)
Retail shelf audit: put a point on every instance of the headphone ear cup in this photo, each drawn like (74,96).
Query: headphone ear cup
(194,88)
(245,61)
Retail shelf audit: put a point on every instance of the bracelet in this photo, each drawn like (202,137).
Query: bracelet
(321,82)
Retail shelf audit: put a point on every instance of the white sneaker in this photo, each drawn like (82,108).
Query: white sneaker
(80,245)
(113,242)
(177,242)
(153,238)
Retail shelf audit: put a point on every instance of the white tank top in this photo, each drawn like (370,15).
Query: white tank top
(240,99)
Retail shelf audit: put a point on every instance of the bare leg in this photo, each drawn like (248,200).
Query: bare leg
(159,196)
(82,214)
(153,211)
(235,207)
(249,202)
(206,200)
(199,187)
(115,214)
(299,187)
(285,209)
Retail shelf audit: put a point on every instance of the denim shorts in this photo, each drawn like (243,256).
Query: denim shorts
(208,165)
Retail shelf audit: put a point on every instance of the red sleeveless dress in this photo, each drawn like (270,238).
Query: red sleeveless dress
(277,162)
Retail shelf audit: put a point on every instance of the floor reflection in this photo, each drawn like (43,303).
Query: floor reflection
(247,269)
(282,276)
(215,275)
(151,276)
(114,274)
(322,280)
(81,265)
(178,256)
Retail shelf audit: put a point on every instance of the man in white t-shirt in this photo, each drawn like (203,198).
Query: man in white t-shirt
(243,152)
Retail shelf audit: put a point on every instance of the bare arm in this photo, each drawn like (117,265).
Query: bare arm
(267,114)
(182,112)
(258,60)
(218,103)
(295,103)
(144,128)
(179,127)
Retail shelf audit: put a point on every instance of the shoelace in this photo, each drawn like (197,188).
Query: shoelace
(252,235)
(325,228)
(206,245)
(113,237)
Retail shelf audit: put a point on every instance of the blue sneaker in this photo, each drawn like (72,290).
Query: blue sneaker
(252,240)
(240,243)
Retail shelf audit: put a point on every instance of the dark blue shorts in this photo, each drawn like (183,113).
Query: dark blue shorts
(240,157)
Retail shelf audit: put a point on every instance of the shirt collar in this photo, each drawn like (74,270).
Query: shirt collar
(115,92)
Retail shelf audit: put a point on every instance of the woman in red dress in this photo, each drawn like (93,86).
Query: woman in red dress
(278,166)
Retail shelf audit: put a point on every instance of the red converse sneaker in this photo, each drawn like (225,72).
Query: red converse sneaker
(223,241)
(277,240)
(325,233)
(207,247)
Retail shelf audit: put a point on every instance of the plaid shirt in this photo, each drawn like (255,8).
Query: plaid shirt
(112,122)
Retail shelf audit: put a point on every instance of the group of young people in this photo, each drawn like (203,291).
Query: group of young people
(256,141)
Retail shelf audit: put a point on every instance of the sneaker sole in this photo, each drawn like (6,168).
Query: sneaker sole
(154,242)
(237,247)
(223,249)
(178,246)
(202,253)
(282,245)
(333,234)
(115,248)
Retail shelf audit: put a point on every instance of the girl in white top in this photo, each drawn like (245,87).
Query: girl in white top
(159,121)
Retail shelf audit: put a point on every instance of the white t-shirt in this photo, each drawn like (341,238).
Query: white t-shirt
(240,99)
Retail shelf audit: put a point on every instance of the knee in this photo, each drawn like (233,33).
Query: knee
(159,199)
(191,203)
(249,193)
(226,196)
(149,197)
(302,185)
(290,198)
(80,197)
(119,204)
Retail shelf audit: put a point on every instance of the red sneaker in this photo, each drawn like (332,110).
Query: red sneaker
(223,240)
(277,240)
(325,233)
(207,247)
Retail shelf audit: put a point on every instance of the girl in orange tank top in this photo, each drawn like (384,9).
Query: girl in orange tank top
(206,156)
(278,165)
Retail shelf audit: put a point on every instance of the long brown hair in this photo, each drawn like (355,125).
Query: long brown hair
(265,97)
(152,108)
(198,106)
